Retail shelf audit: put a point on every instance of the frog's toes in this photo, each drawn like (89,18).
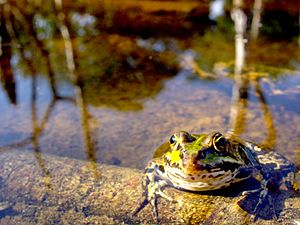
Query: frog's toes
(264,196)
(244,193)
(270,189)
(157,190)
(153,190)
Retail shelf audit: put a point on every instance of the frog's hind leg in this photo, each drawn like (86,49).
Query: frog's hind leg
(153,185)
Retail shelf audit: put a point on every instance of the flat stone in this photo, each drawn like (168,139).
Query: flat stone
(44,189)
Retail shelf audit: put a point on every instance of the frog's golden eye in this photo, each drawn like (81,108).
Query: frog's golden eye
(172,139)
(219,142)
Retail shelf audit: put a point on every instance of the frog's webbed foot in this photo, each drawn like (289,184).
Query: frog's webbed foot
(266,193)
(151,194)
(153,185)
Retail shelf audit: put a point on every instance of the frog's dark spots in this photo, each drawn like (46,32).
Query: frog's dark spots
(161,168)
(181,155)
(196,166)
(218,175)
(175,165)
(149,170)
(208,169)
(226,166)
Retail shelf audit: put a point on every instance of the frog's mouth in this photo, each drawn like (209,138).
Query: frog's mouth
(205,179)
(213,179)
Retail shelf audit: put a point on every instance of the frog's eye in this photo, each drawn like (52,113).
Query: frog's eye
(172,139)
(219,142)
(181,138)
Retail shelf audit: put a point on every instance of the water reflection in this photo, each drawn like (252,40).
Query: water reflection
(132,92)
(35,58)
(79,94)
(242,79)
(239,111)
(36,132)
(7,77)
(255,24)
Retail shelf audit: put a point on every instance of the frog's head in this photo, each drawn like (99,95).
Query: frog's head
(200,153)
(206,161)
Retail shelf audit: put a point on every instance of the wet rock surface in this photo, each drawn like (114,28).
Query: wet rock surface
(68,191)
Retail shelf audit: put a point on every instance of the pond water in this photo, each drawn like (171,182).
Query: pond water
(144,73)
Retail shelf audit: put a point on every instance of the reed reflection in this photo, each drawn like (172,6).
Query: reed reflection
(240,89)
(12,37)
(243,79)
(79,94)
(256,20)
(7,77)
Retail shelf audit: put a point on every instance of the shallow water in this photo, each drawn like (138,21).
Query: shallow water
(138,88)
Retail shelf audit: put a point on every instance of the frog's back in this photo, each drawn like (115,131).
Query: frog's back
(271,161)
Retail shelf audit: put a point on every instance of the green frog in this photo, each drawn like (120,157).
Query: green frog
(205,162)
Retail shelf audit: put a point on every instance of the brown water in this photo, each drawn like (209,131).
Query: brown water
(136,82)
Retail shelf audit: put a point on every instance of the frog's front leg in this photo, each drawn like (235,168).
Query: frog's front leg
(273,184)
(269,185)
(153,184)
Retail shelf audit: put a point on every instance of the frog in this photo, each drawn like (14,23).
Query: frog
(213,161)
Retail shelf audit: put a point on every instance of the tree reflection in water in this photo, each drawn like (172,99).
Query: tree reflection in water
(12,38)
(243,79)
(114,72)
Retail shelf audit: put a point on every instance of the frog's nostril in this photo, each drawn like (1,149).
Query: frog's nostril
(172,139)
(201,155)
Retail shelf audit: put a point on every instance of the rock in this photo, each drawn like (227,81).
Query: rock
(44,189)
